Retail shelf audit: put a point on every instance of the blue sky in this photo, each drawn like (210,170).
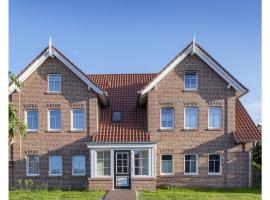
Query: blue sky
(141,36)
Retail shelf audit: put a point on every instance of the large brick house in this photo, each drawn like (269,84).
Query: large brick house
(183,126)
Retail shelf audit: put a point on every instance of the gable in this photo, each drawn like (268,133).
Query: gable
(52,52)
(191,49)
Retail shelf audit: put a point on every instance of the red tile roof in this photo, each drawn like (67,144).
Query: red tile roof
(246,130)
(123,93)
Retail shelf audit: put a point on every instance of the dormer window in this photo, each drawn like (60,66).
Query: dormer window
(54,83)
(117,117)
(191,81)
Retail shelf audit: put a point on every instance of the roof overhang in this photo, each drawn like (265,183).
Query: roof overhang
(120,145)
(192,49)
(51,52)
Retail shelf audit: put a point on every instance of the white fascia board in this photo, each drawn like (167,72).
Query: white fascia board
(194,50)
(30,70)
(120,145)
(166,71)
(219,71)
(78,73)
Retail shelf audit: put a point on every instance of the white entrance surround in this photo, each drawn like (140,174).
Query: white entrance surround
(95,147)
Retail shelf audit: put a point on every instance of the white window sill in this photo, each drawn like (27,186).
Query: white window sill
(32,174)
(191,90)
(191,174)
(32,130)
(167,174)
(55,175)
(214,174)
(79,175)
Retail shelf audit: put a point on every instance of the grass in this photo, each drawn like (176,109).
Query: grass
(55,195)
(202,194)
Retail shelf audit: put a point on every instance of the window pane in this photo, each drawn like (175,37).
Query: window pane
(32,120)
(190,163)
(167,164)
(33,165)
(78,164)
(117,116)
(54,83)
(56,165)
(191,81)
(211,166)
(55,119)
(141,162)
(103,163)
(191,117)
(78,119)
(215,117)
(166,157)
(214,163)
(167,117)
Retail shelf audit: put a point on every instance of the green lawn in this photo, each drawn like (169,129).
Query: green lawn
(202,194)
(55,195)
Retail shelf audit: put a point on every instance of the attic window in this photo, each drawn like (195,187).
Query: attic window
(117,117)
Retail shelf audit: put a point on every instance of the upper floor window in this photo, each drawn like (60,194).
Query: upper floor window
(32,165)
(191,81)
(191,118)
(214,117)
(167,118)
(141,159)
(54,83)
(32,120)
(166,164)
(55,165)
(54,119)
(117,117)
(103,164)
(78,165)
(214,164)
(190,164)
(78,119)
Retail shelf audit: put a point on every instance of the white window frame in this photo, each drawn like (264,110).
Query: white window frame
(60,174)
(166,174)
(191,89)
(73,160)
(95,163)
(78,129)
(26,116)
(133,163)
(172,108)
(185,117)
(209,127)
(191,173)
(48,84)
(27,166)
(49,121)
(220,165)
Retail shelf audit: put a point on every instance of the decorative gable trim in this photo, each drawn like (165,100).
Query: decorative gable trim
(50,51)
(194,48)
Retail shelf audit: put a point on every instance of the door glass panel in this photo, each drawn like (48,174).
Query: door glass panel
(122,162)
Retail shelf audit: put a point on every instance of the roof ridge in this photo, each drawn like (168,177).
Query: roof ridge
(102,74)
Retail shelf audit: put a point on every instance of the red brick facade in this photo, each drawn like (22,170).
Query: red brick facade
(142,124)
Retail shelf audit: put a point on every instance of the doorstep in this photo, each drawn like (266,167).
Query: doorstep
(121,195)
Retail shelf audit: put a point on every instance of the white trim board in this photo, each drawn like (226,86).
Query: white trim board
(194,49)
(36,64)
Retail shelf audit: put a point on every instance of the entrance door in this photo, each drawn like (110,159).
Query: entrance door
(122,169)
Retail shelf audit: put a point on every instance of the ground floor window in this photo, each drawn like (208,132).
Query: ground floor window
(103,163)
(214,164)
(141,162)
(32,165)
(78,165)
(55,165)
(166,164)
(190,164)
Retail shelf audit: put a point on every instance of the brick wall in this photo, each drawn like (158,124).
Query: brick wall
(212,91)
(44,143)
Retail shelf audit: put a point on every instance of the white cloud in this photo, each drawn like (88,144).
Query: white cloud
(254,109)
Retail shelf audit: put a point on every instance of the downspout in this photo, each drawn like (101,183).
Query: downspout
(20,120)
